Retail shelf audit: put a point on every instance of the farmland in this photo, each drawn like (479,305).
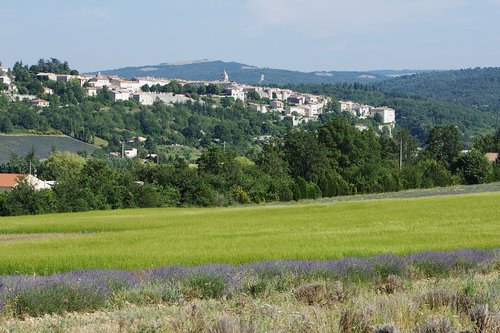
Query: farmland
(135,239)
(42,144)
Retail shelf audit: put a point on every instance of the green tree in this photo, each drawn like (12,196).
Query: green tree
(62,165)
(444,143)
(473,167)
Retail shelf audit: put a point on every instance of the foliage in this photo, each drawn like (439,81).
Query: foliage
(473,167)
(473,86)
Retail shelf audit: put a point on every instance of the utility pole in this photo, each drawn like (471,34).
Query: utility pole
(123,149)
(400,151)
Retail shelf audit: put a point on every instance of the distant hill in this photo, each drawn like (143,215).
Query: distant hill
(241,73)
(43,145)
(478,86)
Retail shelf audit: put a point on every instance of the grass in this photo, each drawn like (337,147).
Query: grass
(133,239)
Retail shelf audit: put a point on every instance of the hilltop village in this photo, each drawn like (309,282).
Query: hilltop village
(298,108)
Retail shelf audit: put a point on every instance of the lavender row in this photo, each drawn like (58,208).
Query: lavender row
(106,280)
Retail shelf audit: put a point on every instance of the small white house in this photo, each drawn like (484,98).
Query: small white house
(130,152)
(277,105)
(5,79)
(41,103)
(388,114)
(119,95)
(144,99)
(91,91)
(258,107)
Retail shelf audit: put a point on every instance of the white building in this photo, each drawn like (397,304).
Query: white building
(388,114)
(348,106)
(99,81)
(119,95)
(143,98)
(313,110)
(150,81)
(132,86)
(46,76)
(277,105)
(130,152)
(91,91)
(236,93)
(258,107)
(5,79)
(38,102)
(363,111)
(296,110)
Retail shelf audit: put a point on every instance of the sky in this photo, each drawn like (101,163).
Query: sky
(305,35)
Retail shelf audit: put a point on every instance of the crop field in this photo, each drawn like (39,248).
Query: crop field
(133,239)
(42,144)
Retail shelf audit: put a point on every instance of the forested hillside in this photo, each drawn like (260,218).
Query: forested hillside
(478,86)
(241,73)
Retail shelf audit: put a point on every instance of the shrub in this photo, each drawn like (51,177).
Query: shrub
(204,285)
(354,321)
(54,298)
(436,326)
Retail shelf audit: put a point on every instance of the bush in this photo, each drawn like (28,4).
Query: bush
(204,285)
(56,298)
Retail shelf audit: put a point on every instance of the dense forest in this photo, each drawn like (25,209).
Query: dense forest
(477,87)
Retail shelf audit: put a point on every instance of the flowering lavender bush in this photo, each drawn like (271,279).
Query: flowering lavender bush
(92,289)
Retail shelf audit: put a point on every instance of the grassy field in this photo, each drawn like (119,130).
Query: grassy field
(131,239)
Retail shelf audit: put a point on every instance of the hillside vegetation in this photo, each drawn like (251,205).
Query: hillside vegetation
(478,86)
(132,239)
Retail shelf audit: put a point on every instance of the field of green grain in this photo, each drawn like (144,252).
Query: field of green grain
(132,239)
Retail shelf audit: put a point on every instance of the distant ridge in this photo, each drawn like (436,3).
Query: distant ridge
(208,70)
(472,86)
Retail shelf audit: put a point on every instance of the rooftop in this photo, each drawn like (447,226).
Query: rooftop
(10,179)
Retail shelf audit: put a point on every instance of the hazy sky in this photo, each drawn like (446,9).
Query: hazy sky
(293,34)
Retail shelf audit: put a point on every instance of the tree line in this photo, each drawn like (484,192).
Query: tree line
(335,159)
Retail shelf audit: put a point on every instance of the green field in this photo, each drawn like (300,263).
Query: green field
(131,239)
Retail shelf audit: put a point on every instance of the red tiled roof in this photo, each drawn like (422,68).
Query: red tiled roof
(9,179)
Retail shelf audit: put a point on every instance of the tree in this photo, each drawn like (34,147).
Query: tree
(213,89)
(61,165)
(409,146)
(227,101)
(473,167)
(253,95)
(444,143)
(489,143)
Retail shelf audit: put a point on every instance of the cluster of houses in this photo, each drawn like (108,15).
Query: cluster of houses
(363,111)
(294,106)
